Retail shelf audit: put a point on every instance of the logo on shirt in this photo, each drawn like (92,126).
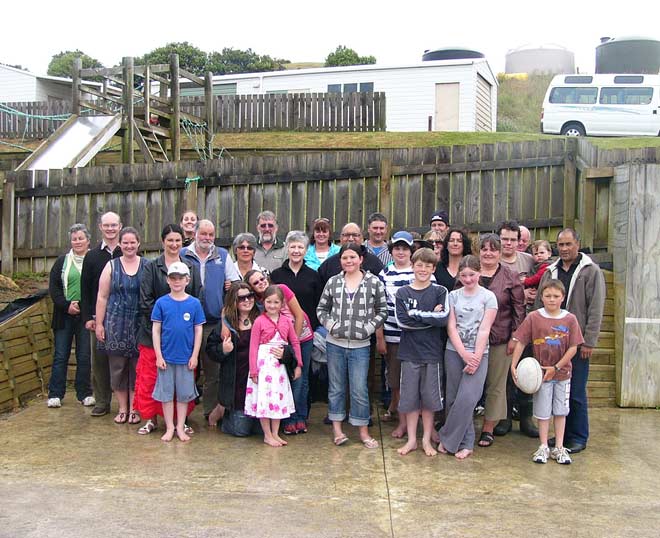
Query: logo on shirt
(186,316)
(554,339)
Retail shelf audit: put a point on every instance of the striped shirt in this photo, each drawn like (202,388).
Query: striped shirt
(393,279)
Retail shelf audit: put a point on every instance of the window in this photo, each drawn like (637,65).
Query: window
(626,96)
(576,79)
(573,95)
(334,88)
(628,79)
(351,87)
(366,86)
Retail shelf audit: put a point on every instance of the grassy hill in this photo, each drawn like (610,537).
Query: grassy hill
(519,102)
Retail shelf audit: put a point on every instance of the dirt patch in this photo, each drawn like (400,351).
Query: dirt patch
(26,286)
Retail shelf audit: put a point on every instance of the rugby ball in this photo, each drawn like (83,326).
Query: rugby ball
(530,375)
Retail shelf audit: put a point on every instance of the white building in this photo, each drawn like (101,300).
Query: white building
(17,85)
(458,95)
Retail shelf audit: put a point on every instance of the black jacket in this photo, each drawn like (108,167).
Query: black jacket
(56,292)
(306,285)
(93,266)
(153,286)
(332,266)
(227,377)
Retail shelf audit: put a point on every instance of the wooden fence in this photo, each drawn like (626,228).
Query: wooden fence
(295,112)
(32,119)
(480,185)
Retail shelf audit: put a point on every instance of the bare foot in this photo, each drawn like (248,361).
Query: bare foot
(463,453)
(168,435)
(182,435)
(435,437)
(215,415)
(408,447)
(441,448)
(280,440)
(272,441)
(399,432)
(428,448)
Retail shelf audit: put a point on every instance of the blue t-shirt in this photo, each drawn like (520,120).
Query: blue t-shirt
(178,319)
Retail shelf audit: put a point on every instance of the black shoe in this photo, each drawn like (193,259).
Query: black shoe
(502,427)
(574,447)
(99,411)
(552,442)
(528,427)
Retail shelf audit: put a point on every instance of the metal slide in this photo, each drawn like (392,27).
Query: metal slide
(74,144)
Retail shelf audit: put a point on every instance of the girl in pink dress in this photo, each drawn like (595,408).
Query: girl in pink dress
(268,395)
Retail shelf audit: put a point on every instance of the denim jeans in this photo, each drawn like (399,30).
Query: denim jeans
(73,327)
(239,424)
(354,364)
(300,387)
(577,421)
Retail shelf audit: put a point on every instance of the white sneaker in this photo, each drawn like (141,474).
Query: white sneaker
(541,455)
(561,456)
(54,402)
(89,401)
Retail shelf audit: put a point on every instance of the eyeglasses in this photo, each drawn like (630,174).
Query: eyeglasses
(244,247)
(111,225)
(258,281)
(245,298)
(437,242)
(266,225)
(351,234)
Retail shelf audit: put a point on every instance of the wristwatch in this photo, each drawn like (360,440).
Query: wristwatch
(557,368)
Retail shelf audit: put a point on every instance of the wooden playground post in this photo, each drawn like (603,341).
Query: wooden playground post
(146,93)
(175,100)
(209,108)
(127,143)
(8,204)
(75,85)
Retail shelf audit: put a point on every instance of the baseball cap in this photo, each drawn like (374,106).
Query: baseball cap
(441,216)
(178,268)
(402,237)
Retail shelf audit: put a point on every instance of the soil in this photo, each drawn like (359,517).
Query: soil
(27,286)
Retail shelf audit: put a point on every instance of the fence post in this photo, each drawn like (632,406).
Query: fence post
(8,202)
(570,171)
(191,192)
(385,186)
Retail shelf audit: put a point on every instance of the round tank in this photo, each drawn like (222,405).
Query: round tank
(628,55)
(550,59)
(451,53)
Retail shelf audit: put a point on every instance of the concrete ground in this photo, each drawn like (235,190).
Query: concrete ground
(65,474)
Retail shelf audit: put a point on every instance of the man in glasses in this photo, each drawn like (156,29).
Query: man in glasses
(215,273)
(270,252)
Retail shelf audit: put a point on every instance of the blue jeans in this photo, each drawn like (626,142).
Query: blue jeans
(577,421)
(239,424)
(354,364)
(300,387)
(73,327)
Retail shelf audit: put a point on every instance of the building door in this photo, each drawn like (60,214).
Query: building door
(446,107)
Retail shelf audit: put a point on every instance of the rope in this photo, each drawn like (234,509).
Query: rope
(190,180)
(16,146)
(14,112)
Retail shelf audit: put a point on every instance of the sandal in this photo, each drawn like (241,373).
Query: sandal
(147,428)
(341,439)
(121,418)
(486,439)
(370,442)
(389,416)
(134,417)
(188,430)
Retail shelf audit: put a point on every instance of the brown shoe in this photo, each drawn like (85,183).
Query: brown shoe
(99,411)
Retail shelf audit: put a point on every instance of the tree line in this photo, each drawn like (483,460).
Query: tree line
(228,61)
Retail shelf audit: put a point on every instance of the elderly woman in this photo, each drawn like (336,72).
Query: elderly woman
(352,307)
(508,290)
(456,244)
(117,314)
(321,246)
(153,286)
(291,308)
(67,324)
(243,248)
(232,352)
(305,283)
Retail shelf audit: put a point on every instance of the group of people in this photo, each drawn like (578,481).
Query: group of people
(451,325)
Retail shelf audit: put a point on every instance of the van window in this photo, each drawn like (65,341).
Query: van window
(577,79)
(626,96)
(573,95)
(628,79)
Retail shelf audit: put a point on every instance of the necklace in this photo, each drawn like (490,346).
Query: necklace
(246,322)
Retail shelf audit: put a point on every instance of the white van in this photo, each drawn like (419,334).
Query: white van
(602,105)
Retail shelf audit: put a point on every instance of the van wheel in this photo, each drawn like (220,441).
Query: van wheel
(572,129)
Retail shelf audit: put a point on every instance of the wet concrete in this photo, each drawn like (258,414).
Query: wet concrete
(65,474)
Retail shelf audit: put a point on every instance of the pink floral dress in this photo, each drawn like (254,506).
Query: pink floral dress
(272,396)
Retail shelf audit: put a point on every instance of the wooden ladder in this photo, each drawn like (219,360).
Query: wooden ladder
(150,145)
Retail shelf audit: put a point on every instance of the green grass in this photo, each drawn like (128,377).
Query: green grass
(637,142)
(519,103)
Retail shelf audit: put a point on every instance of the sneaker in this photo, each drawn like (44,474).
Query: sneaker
(54,402)
(88,401)
(561,456)
(541,455)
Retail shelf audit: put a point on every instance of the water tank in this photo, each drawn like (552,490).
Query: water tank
(551,59)
(628,55)
(451,53)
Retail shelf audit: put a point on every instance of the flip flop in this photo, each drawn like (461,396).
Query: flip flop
(341,439)
(188,430)
(370,442)
(121,418)
(147,428)
(389,416)
(134,418)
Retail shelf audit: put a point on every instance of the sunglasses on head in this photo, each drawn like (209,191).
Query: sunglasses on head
(245,298)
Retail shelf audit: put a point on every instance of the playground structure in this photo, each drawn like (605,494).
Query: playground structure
(141,104)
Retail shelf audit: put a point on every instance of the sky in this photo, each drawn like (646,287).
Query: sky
(307,31)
